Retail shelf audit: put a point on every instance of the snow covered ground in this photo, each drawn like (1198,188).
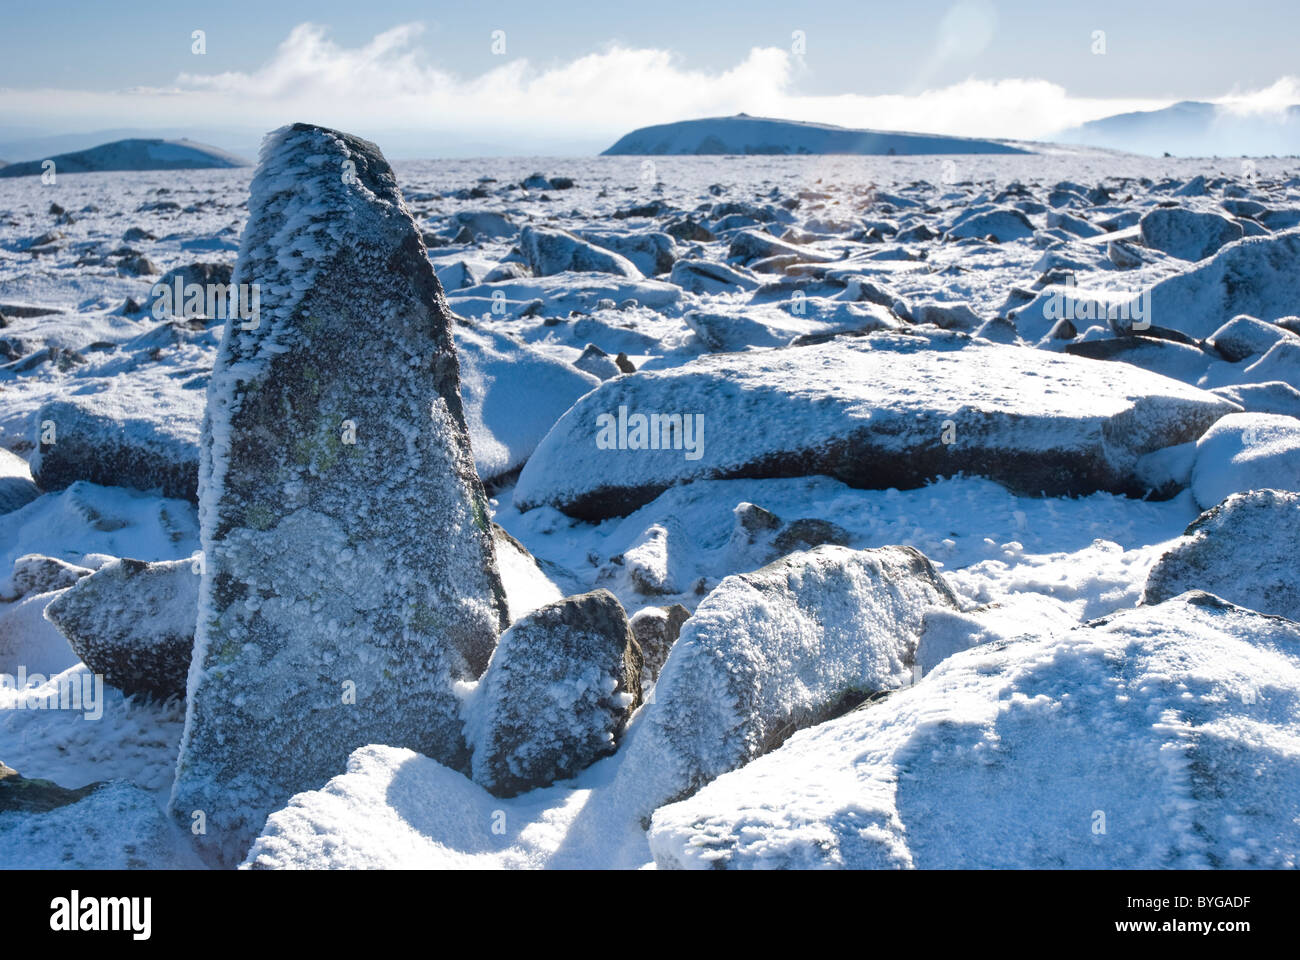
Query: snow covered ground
(662,263)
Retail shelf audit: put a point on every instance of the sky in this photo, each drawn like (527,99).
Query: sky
(444,79)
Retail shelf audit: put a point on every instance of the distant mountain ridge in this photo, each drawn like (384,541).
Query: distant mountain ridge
(134,154)
(743,134)
(1193,128)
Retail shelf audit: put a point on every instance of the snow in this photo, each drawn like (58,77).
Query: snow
(1246,451)
(1162,737)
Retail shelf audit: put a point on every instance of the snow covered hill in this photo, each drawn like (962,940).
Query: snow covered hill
(743,134)
(132,155)
(1191,128)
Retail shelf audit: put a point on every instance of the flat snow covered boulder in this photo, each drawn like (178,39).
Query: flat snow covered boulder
(1162,737)
(886,410)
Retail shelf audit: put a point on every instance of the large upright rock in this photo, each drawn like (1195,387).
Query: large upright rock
(350,579)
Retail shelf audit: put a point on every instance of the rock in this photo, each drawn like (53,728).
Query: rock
(1244,336)
(1187,234)
(771,652)
(1276,397)
(1242,550)
(750,245)
(549,251)
(456,275)
(1246,451)
(482,223)
(1192,769)
(133,622)
(34,573)
(126,436)
(760,536)
(597,363)
(140,266)
(651,253)
(536,182)
(1004,224)
(16,486)
(30,642)
(556,694)
(689,231)
(216,276)
(1123,255)
(512,395)
(624,363)
(1258,276)
(705,276)
(102,826)
(886,410)
(1165,357)
(350,582)
(1281,364)
(947,316)
(18,794)
(509,270)
(656,629)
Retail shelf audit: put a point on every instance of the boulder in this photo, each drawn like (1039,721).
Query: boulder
(760,536)
(879,411)
(656,629)
(1187,234)
(1004,224)
(127,435)
(1243,550)
(1244,336)
(771,652)
(1246,451)
(34,573)
(652,253)
(549,251)
(1280,364)
(595,362)
(349,582)
(556,694)
(16,486)
(133,622)
(1158,738)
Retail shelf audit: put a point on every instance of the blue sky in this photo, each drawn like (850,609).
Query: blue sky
(584,72)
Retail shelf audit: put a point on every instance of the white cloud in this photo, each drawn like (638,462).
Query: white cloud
(388,83)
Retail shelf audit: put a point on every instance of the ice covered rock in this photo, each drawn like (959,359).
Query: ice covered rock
(549,251)
(1244,336)
(555,696)
(1187,234)
(705,276)
(1243,550)
(1246,451)
(29,641)
(651,252)
(1273,397)
(1180,361)
(16,486)
(123,436)
(101,826)
(760,536)
(133,622)
(34,573)
(1002,223)
(596,363)
(885,410)
(749,245)
(774,651)
(1281,364)
(483,223)
(1160,737)
(656,629)
(1258,276)
(349,579)
(512,395)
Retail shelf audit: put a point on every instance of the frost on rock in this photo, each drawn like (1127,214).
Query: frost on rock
(1162,737)
(16,486)
(549,251)
(774,651)
(1187,234)
(133,622)
(1243,550)
(349,580)
(556,695)
(116,438)
(1246,451)
(885,410)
